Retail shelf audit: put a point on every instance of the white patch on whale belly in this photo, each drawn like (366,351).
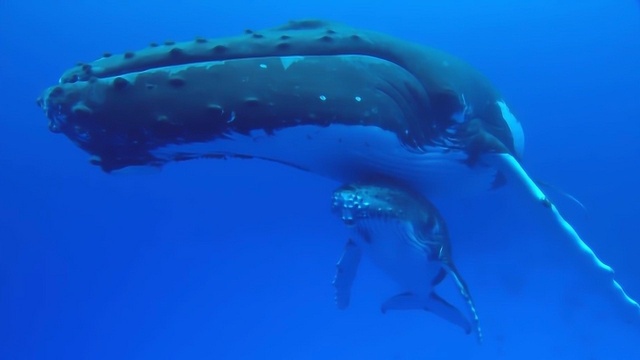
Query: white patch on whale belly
(348,153)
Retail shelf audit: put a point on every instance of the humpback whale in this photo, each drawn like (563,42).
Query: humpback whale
(354,106)
(142,108)
(406,236)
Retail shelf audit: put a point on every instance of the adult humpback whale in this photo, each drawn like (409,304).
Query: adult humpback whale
(352,105)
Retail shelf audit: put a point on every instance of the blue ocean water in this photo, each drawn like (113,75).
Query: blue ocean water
(234,259)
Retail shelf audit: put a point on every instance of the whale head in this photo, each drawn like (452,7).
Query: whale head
(178,101)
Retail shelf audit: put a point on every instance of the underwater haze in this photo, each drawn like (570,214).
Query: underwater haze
(234,259)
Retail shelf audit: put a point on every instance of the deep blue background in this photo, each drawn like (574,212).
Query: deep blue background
(233,259)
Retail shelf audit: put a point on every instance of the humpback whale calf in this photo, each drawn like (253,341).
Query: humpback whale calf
(354,106)
(406,236)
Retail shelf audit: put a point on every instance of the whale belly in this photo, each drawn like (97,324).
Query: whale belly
(389,243)
(352,153)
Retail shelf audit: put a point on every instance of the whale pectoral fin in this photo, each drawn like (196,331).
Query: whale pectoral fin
(582,270)
(438,279)
(472,314)
(345,273)
(432,303)
(544,284)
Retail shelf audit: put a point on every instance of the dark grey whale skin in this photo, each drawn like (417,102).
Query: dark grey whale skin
(121,107)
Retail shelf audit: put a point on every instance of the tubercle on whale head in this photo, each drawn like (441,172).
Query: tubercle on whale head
(306,37)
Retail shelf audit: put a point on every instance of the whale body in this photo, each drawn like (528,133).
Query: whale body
(354,106)
(128,109)
(406,236)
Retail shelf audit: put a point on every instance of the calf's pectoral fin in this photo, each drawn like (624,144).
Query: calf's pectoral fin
(432,303)
(466,296)
(345,273)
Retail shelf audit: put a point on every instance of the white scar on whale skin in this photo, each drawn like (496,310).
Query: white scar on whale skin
(289,60)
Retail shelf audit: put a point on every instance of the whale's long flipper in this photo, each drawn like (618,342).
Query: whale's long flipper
(464,292)
(346,270)
(589,271)
(539,281)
